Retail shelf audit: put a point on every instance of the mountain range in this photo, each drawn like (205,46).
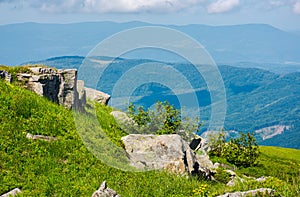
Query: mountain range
(250,45)
(257,100)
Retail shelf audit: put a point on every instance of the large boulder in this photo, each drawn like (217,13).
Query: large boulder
(97,96)
(168,152)
(59,86)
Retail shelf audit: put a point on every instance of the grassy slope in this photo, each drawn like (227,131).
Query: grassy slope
(66,168)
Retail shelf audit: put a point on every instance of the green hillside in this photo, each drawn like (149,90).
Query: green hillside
(256,98)
(66,168)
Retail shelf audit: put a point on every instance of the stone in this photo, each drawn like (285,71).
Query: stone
(13,192)
(97,96)
(40,137)
(262,179)
(234,180)
(122,119)
(231,173)
(164,152)
(195,143)
(5,75)
(205,161)
(104,191)
(59,86)
(216,165)
(81,101)
(67,89)
(149,152)
(256,192)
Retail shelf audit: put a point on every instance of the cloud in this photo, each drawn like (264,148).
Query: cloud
(106,6)
(222,6)
(296,7)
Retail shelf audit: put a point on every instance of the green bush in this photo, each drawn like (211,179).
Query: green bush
(163,119)
(241,151)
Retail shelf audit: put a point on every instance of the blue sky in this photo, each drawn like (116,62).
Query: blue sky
(284,14)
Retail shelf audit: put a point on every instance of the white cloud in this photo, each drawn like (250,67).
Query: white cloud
(222,6)
(296,7)
(105,6)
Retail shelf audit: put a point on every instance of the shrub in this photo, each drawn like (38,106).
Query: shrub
(163,119)
(240,151)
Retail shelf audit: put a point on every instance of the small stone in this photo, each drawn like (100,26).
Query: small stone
(256,192)
(12,193)
(104,191)
(40,137)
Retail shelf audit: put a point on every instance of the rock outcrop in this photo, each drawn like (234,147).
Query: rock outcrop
(104,191)
(168,152)
(60,86)
(97,96)
(256,192)
(5,75)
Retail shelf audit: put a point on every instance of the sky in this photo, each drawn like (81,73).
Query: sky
(283,14)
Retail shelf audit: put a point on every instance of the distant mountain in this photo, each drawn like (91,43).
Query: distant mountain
(257,100)
(227,44)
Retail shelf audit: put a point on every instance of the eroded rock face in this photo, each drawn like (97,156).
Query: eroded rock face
(59,86)
(168,152)
(68,88)
(81,94)
(97,96)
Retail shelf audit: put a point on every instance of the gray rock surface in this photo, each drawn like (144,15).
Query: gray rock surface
(168,152)
(104,191)
(68,88)
(256,192)
(81,94)
(13,192)
(5,75)
(40,137)
(58,86)
(97,96)
(123,120)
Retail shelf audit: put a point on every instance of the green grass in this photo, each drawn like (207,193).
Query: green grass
(67,167)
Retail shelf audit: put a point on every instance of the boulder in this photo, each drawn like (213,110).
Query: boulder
(13,192)
(256,192)
(200,144)
(104,191)
(59,86)
(68,88)
(97,96)
(5,75)
(161,152)
(124,121)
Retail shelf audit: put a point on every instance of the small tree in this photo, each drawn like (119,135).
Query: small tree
(217,142)
(240,151)
(163,119)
